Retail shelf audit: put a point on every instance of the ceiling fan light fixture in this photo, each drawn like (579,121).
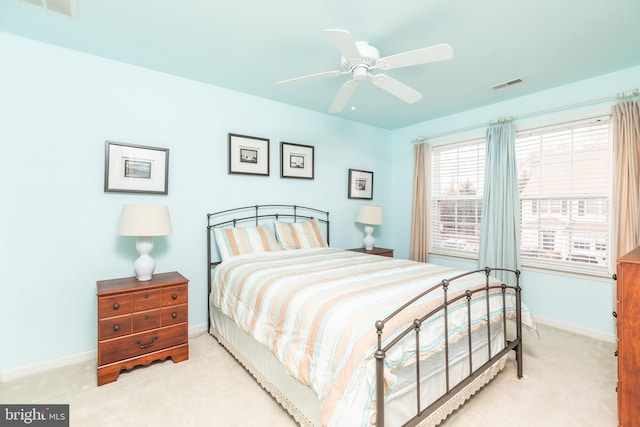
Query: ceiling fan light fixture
(360,72)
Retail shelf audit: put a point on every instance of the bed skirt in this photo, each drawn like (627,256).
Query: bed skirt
(300,401)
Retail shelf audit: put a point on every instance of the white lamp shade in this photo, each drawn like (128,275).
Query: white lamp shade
(145,220)
(369,214)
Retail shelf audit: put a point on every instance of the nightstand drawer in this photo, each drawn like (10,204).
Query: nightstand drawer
(146,320)
(122,348)
(175,295)
(375,251)
(114,306)
(384,252)
(146,300)
(174,314)
(114,327)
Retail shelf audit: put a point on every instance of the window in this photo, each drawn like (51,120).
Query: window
(456,195)
(564,176)
(564,182)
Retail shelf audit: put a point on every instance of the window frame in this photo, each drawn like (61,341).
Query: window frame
(454,246)
(564,205)
(578,203)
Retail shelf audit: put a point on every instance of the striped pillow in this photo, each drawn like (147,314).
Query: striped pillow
(240,240)
(300,235)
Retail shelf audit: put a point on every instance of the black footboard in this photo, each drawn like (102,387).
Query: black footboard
(515,343)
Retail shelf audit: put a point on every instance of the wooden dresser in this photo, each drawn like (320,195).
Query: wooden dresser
(140,322)
(375,251)
(628,328)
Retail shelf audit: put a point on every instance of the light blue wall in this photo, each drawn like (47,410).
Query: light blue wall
(58,226)
(581,303)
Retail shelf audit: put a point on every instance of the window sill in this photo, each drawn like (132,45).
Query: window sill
(455,256)
(580,272)
(569,271)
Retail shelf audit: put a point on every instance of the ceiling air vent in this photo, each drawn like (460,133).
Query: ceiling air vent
(507,83)
(65,7)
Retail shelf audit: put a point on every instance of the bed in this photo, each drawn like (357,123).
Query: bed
(343,338)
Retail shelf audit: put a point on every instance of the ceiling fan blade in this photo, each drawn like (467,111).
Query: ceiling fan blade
(396,88)
(344,43)
(440,52)
(343,96)
(308,78)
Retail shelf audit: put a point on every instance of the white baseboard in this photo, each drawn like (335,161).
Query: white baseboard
(197,330)
(85,356)
(36,368)
(576,329)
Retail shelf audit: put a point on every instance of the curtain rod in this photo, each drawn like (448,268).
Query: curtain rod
(621,95)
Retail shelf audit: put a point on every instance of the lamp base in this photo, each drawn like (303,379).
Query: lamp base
(368,239)
(144,265)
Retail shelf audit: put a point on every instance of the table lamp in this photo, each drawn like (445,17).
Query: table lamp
(144,221)
(369,215)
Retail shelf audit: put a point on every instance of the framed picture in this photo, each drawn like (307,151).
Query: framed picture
(360,184)
(296,161)
(248,155)
(135,168)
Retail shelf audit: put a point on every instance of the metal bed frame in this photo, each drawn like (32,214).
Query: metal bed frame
(257,214)
(513,344)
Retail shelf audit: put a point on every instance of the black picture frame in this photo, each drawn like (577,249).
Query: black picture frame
(296,160)
(131,168)
(360,184)
(248,155)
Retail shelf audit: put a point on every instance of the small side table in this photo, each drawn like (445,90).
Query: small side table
(375,251)
(141,322)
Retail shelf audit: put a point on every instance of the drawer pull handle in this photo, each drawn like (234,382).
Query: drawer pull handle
(116,306)
(151,344)
(174,315)
(174,296)
(615,314)
(116,328)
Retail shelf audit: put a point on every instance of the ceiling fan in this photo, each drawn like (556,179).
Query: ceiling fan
(360,58)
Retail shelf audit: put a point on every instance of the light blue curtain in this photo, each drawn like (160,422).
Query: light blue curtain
(500,222)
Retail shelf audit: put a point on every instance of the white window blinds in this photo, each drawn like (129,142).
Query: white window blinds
(564,182)
(456,195)
(564,179)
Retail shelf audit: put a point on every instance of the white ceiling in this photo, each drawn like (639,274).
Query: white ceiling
(247,45)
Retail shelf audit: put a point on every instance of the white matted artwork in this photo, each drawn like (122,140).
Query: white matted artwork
(136,168)
(360,184)
(296,160)
(248,155)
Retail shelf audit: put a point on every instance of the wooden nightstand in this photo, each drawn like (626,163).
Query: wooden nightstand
(375,251)
(140,322)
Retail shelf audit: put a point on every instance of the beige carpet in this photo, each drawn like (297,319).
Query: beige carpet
(571,381)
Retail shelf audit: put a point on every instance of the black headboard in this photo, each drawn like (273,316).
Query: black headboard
(255,215)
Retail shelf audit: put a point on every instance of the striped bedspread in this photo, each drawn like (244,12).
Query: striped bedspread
(315,309)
